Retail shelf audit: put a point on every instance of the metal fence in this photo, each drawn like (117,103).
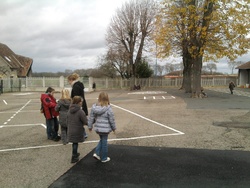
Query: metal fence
(35,84)
(41,83)
(159,82)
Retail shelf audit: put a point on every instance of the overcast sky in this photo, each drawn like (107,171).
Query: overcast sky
(61,34)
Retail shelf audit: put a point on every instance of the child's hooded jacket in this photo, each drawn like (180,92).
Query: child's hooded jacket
(103,118)
(76,119)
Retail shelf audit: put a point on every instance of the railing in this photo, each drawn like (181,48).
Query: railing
(41,83)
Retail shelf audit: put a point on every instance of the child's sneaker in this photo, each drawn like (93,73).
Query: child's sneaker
(107,160)
(96,157)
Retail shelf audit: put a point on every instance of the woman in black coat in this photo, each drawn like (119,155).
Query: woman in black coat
(78,90)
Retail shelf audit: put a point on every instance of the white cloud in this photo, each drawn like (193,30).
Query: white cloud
(61,34)
(58,34)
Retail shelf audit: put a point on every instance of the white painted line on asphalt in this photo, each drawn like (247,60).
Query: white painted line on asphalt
(177,133)
(23,94)
(32,147)
(17,112)
(23,125)
(5,102)
(147,92)
(158,97)
(92,141)
(157,123)
(43,125)
(14,103)
(23,111)
(142,137)
(10,112)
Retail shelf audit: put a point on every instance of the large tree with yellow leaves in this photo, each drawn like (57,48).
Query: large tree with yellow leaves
(201,30)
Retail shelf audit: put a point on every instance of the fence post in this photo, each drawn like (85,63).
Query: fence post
(11,84)
(43,82)
(26,82)
(91,81)
(20,84)
(107,83)
(1,87)
(120,82)
(61,81)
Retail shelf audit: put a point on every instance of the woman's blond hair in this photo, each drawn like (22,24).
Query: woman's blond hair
(65,94)
(76,100)
(103,99)
(73,77)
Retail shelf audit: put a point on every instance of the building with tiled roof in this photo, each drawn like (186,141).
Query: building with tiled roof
(244,74)
(13,65)
(244,66)
(174,74)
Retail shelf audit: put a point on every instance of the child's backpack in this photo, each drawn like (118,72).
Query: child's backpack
(41,109)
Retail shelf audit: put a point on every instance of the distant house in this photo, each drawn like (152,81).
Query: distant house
(13,65)
(174,74)
(244,74)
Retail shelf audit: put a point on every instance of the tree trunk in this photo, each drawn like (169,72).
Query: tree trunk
(187,70)
(132,82)
(186,83)
(196,87)
(139,53)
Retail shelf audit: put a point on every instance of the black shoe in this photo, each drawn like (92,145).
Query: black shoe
(56,139)
(75,159)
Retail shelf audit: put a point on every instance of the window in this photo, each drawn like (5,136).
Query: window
(7,58)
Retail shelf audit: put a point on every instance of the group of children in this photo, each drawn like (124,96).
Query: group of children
(72,111)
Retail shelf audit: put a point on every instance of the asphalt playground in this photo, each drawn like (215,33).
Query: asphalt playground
(164,139)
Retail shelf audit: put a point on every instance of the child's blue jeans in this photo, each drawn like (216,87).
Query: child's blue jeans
(102,147)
